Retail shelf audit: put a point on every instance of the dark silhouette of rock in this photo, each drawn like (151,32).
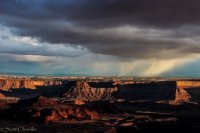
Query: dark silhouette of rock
(154,91)
(38,101)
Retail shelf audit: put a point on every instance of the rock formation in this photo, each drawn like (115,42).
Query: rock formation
(83,91)
(188,84)
(6,84)
(179,91)
(47,110)
(62,114)
(153,91)
(182,95)
(79,102)
(38,101)
(2,96)
(188,90)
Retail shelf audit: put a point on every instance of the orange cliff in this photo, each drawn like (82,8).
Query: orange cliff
(186,89)
(6,84)
(182,95)
(187,84)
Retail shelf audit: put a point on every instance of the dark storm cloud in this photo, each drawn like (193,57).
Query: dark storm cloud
(117,27)
(102,12)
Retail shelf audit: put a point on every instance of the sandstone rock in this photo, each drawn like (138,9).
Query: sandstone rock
(182,95)
(83,91)
(63,113)
(78,113)
(2,96)
(53,116)
(92,114)
(79,102)
(44,102)
(6,84)
(188,90)
(187,84)
(126,124)
(38,101)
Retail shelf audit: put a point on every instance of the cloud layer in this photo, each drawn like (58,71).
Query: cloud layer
(135,36)
(130,28)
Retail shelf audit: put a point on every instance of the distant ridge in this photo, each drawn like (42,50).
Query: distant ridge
(33,74)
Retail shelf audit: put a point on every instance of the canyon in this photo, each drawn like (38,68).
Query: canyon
(180,91)
(105,104)
(6,84)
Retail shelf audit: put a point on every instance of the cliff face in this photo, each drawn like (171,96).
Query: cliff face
(6,84)
(80,91)
(2,96)
(83,91)
(154,91)
(182,95)
(179,91)
(187,84)
(188,91)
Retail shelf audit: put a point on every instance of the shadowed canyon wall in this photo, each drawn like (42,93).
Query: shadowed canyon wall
(154,91)
(180,91)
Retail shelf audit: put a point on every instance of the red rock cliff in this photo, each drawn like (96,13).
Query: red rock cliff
(83,91)
(187,84)
(187,91)
(6,84)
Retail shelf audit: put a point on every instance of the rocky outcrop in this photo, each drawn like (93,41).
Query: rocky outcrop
(188,84)
(62,114)
(2,96)
(83,91)
(79,102)
(38,101)
(9,83)
(188,91)
(178,91)
(45,110)
(6,84)
(182,95)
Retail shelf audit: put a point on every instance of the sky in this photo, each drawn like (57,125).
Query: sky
(100,37)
